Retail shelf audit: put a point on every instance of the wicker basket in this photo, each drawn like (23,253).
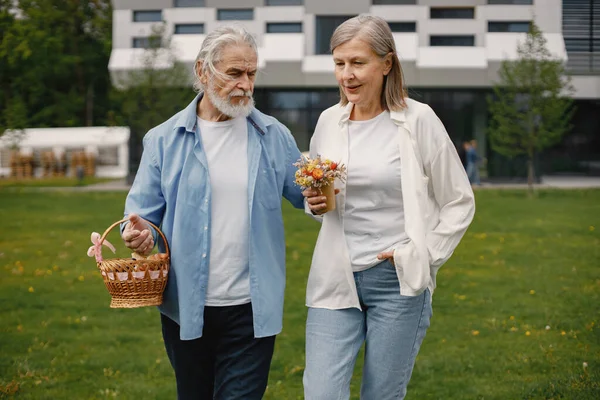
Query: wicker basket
(135,283)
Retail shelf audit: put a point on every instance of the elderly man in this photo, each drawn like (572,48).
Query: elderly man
(213,176)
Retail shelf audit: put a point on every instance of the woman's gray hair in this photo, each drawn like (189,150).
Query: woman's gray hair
(212,47)
(376,32)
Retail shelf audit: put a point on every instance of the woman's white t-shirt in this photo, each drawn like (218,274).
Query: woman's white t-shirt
(374,213)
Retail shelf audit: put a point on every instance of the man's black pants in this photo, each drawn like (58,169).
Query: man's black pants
(226,363)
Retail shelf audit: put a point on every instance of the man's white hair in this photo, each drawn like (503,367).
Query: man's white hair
(212,48)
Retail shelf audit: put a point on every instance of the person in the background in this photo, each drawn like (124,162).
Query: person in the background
(213,177)
(462,153)
(473,163)
(404,208)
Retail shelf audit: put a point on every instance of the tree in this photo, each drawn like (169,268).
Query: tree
(531,106)
(148,96)
(53,62)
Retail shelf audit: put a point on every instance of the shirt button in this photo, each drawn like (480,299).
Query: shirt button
(206,228)
(206,201)
(204,255)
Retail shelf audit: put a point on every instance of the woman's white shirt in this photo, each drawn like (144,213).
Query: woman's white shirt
(374,214)
(437,200)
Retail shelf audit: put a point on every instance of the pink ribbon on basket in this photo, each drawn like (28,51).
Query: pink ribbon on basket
(96,249)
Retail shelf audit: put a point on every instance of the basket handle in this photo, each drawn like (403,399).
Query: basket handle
(110,228)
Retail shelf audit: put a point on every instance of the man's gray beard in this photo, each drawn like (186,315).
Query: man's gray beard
(224,105)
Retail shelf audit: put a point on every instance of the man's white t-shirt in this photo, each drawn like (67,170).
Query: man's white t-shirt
(374,213)
(226,147)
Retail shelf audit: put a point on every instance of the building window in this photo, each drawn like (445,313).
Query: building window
(284,2)
(581,32)
(284,27)
(507,26)
(146,42)
(240,14)
(298,110)
(147,16)
(325,27)
(189,29)
(140,43)
(582,45)
(452,13)
(454,40)
(188,3)
(393,2)
(403,26)
(517,2)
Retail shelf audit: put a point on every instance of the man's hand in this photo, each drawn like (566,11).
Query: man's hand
(137,235)
(316,202)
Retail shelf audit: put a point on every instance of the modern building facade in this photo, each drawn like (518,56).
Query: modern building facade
(450,51)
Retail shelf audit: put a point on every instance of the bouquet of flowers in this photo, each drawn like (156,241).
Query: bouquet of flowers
(319,173)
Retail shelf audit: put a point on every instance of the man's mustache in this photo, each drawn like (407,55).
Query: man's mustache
(240,93)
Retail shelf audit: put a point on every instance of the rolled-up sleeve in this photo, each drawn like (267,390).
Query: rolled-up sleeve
(145,197)
(452,192)
(313,151)
(291,191)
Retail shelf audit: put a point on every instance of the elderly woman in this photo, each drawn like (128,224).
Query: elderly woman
(400,214)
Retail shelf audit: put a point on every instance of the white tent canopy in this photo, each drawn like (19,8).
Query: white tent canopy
(110,145)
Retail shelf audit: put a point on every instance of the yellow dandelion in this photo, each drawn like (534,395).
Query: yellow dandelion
(481,258)
(77,320)
(49,272)
(501,240)
(563,333)
(527,333)
(20,328)
(81,278)
(462,297)
(592,228)
(31,289)
(512,318)
(532,291)
(55,267)
(474,333)
(514,329)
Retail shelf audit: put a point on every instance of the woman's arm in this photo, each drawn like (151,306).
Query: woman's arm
(451,188)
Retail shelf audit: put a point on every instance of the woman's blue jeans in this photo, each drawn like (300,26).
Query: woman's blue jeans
(393,327)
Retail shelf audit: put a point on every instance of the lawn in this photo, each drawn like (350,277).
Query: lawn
(516,312)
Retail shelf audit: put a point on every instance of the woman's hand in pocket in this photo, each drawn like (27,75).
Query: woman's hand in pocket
(385,255)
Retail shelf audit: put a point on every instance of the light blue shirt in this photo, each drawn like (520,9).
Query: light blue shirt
(172,189)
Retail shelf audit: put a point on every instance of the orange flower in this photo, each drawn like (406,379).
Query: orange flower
(305,172)
(333,166)
(317,173)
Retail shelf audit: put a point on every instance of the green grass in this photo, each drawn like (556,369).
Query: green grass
(516,311)
(50,182)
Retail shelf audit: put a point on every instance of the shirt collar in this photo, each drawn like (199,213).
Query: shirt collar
(397,116)
(189,116)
